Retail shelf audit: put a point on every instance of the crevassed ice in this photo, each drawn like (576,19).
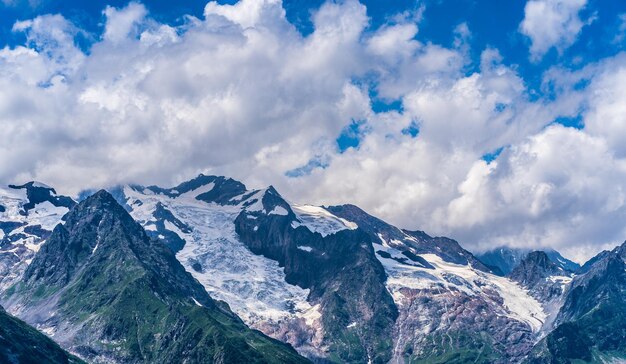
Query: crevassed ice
(252,285)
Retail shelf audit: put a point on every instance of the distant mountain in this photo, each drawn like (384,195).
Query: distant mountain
(591,324)
(101,287)
(539,274)
(38,193)
(504,259)
(20,343)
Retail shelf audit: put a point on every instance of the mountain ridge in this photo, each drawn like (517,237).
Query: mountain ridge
(335,282)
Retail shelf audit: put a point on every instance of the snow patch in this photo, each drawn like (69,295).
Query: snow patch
(41,185)
(150,227)
(318,219)
(279,210)
(311,314)
(198,191)
(257,205)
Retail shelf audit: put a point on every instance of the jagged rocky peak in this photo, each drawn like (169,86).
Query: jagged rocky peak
(271,202)
(37,192)
(590,323)
(503,260)
(207,188)
(603,282)
(409,242)
(89,225)
(621,251)
(534,267)
(100,230)
(545,279)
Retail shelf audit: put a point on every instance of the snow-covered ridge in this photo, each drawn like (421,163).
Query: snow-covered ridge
(318,219)
(518,304)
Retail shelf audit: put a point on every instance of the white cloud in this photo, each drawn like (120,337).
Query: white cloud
(606,113)
(248,13)
(243,93)
(552,23)
(559,188)
(123,23)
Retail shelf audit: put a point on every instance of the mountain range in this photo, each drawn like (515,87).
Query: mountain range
(210,271)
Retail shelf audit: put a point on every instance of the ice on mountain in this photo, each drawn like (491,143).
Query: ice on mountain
(318,219)
(518,303)
(252,285)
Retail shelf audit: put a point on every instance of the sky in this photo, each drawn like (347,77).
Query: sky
(492,122)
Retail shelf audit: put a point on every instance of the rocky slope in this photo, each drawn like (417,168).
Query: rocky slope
(340,269)
(544,279)
(452,308)
(21,343)
(102,288)
(591,324)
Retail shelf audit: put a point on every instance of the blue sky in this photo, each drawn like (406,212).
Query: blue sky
(494,122)
(493,23)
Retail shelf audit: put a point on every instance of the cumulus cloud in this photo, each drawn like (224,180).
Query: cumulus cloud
(242,93)
(552,24)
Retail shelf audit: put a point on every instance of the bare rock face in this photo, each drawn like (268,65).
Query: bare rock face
(436,323)
(21,343)
(341,271)
(591,324)
(544,279)
(504,259)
